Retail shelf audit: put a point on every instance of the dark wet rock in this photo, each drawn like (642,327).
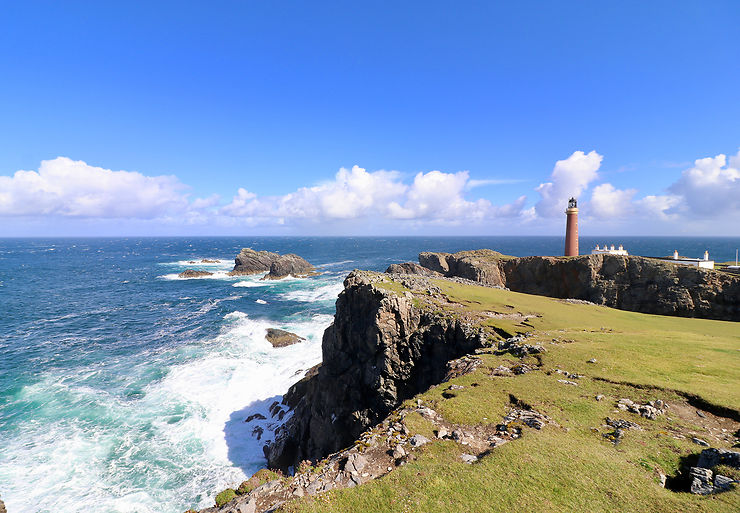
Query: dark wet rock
(629,283)
(192,273)
(282,338)
(256,416)
(249,261)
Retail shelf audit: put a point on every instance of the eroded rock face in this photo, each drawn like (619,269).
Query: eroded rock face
(282,338)
(192,273)
(629,283)
(410,268)
(379,351)
(249,261)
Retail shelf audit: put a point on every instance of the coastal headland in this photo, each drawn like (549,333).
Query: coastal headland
(444,389)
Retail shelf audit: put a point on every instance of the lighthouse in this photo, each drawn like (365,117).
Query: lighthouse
(571,228)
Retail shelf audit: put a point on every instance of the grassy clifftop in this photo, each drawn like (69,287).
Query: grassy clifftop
(573,462)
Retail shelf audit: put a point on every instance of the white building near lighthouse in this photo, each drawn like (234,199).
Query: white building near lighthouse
(606,250)
(703,263)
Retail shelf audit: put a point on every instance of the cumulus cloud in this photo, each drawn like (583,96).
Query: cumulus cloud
(65,187)
(710,188)
(352,194)
(569,177)
(356,193)
(608,202)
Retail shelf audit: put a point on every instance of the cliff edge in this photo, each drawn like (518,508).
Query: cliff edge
(384,346)
(632,283)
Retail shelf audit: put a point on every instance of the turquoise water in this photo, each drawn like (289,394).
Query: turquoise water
(124,388)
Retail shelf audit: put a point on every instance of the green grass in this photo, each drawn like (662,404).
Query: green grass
(568,465)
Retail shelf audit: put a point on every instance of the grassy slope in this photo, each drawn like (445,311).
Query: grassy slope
(569,467)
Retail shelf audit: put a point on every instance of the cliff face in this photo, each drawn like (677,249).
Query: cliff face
(628,283)
(380,350)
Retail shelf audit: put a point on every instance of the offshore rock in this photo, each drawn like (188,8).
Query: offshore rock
(632,283)
(249,261)
(282,338)
(380,350)
(192,273)
(289,265)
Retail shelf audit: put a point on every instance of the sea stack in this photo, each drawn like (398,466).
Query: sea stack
(571,228)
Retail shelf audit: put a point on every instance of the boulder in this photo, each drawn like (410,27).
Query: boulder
(2,507)
(701,481)
(192,273)
(282,338)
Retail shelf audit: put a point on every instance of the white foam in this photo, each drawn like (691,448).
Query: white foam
(332,264)
(251,283)
(217,275)
(260,301)
(185,438)
(326,292)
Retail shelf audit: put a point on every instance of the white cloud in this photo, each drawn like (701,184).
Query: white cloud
(607,202)
(570,177)
(357,193)
(352,194)
(64,187)
(710,188)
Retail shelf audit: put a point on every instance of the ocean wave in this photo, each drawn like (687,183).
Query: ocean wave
(323,293)
(217,275)
(168,443)
(251,283)
(332,264)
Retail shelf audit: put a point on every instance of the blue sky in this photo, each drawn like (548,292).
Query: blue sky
(455,114)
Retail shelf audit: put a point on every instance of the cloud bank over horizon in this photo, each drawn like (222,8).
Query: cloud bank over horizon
(356,201)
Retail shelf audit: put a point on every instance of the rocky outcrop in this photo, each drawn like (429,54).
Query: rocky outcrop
(282,338)
(192,273)
(703,478)
(629,283)
(249,261)
(289,265)
(2,507)
(381,349)
(410,268)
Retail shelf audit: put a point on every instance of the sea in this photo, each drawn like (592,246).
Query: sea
(124,388)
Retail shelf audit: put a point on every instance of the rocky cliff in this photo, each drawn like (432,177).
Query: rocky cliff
(382,348)
(628,283)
